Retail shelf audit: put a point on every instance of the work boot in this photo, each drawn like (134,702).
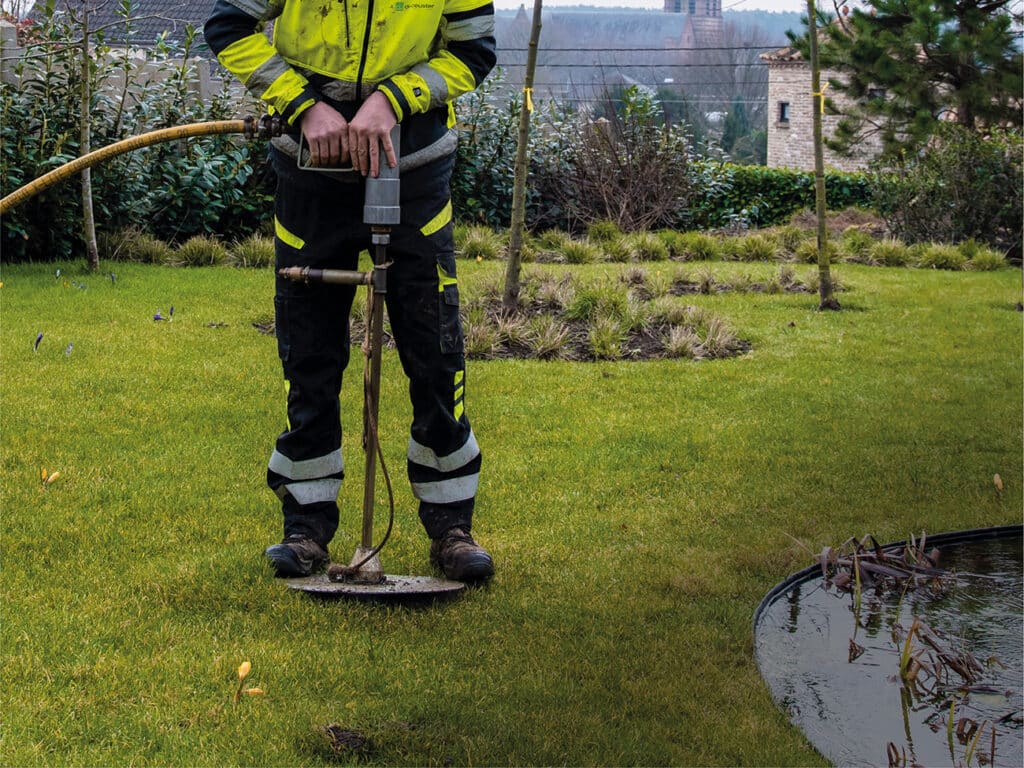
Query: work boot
(297,556)
(461,558)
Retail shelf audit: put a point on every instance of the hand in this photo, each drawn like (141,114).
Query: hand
(369,129)
(326,133)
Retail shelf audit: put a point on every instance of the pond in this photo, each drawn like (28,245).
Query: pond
(928,675)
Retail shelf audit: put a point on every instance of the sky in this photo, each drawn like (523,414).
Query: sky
(795,6)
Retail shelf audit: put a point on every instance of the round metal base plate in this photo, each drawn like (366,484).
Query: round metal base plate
(393,588)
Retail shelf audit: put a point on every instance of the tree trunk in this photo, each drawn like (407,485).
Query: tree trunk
(85,141)
(510,297)
(827,300)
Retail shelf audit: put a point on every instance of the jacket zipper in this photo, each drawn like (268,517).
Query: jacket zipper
(366,48)
(348,41)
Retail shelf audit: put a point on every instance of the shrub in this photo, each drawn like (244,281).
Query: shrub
(629,168)
(938,256)
(961,185)
(199,251)
(171,191)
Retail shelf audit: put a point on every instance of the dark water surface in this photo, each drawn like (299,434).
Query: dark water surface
(851,710)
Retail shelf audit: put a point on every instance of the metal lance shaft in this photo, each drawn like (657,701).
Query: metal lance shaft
(381,210)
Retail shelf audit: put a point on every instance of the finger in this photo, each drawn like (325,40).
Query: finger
(345,151)
(389,151)
(314,152)
(333,150)
(374,158)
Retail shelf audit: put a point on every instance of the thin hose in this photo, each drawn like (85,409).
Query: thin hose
(249,126)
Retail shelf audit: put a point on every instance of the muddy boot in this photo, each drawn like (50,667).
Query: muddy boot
(297,556)
(461,558)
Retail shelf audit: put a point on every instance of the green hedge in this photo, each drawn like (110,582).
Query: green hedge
(758,196)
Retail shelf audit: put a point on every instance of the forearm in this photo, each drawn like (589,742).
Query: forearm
(236,36)
(466,57)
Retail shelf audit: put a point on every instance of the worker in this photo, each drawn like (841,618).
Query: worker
(343,72)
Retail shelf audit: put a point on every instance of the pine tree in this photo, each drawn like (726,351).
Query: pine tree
(907,64)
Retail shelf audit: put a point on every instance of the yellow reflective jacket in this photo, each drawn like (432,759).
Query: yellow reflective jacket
(422,54)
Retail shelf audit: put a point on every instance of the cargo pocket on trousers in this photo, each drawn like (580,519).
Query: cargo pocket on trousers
(451,328)
(281,327)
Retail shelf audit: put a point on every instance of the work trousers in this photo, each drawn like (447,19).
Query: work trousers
(318,223)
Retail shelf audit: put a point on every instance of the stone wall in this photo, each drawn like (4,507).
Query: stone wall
(791,142)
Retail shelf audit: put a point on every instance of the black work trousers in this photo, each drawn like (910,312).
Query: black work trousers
(318,223)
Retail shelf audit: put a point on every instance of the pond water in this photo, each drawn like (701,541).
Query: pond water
(858,711)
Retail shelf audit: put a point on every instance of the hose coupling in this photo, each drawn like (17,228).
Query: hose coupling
(266,127)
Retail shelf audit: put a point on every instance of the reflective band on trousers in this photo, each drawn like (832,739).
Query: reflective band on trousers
(310,469)
(313,491)
(447,491)
(424,456)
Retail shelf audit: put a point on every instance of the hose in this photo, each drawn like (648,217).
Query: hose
(266,127)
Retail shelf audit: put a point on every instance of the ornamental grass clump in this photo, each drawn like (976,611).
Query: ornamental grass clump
(598,299)
(758,247)
(480,335)
(940,256)
(855,246)
(617,250)
(133,245)
(719,339)
(789,237)
(606,338)
(890,253)
(646,246)
(698,246)
(580,252)
(673,241)
(199,251)
(682,342)
(603,231)
(478,243)
(548,337)
(555,293)
(980,257)
(254,251)
(807,252)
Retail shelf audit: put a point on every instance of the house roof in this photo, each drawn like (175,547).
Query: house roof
(149,19)
(787,54)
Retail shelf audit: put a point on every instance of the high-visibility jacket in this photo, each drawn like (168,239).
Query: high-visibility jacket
(421,54)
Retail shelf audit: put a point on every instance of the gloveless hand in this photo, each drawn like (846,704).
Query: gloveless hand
(326,133)
(368,131)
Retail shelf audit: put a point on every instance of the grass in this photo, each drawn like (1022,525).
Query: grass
(638,512)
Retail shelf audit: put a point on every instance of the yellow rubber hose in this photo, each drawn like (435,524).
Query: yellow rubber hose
(249,126)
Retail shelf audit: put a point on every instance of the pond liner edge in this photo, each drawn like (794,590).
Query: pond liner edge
(811,571)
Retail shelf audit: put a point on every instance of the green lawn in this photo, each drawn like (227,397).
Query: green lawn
(637,512)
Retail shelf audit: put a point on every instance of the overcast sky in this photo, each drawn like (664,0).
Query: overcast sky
(738,5)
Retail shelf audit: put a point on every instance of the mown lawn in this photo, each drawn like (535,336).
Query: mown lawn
(638,512)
